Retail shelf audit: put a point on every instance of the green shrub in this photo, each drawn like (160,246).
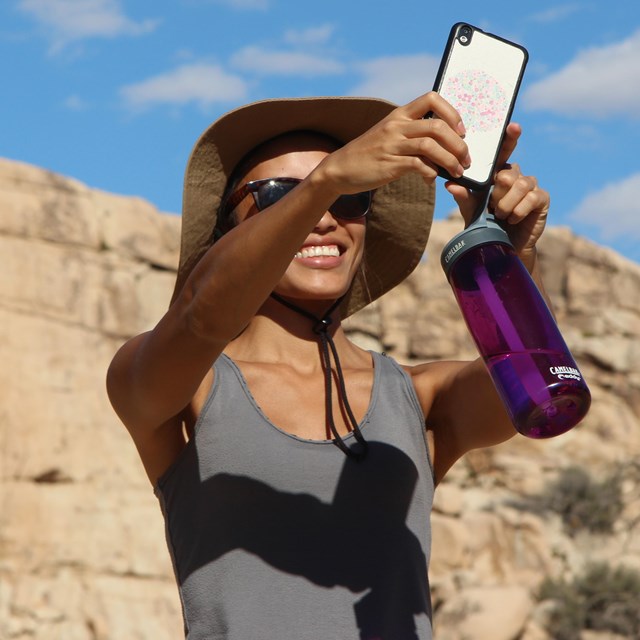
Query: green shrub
(601,599)
(581,502)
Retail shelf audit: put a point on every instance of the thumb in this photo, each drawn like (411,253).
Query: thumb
(465,200)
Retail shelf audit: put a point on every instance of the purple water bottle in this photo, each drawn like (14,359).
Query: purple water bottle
(530,365)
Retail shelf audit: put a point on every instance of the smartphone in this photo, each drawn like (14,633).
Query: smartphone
(480,75)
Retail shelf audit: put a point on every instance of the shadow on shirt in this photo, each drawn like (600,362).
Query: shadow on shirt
(359,541)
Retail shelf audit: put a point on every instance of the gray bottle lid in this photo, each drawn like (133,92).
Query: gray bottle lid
(483,229)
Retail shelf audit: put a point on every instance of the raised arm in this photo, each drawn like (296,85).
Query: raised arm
(155,376)
(463,409)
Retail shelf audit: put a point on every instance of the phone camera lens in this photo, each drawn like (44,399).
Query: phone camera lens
(464,35)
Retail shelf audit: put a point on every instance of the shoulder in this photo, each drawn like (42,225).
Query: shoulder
(192,411)
(158,433)
(431,379)
(433,383)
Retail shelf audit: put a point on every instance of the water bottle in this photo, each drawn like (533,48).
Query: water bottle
(532,369)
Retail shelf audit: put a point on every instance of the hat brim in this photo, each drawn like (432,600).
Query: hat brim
(401,213)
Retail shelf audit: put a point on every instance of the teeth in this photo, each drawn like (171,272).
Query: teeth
(312,252)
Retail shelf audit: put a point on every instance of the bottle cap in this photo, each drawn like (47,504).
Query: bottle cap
(484,229)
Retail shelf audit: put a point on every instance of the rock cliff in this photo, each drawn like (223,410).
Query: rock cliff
(82,549)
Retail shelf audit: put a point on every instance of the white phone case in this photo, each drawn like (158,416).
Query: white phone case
(480,75)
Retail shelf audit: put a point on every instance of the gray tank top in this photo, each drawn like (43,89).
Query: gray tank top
(275,537)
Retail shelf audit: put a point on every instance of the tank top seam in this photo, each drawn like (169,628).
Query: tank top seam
(430,482)
(210,397)
(279,430)
(161,481)
(415,403)
(174,562)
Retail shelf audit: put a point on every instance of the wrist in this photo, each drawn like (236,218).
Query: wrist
(324,183)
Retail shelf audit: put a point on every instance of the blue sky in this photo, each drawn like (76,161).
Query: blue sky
(115,92)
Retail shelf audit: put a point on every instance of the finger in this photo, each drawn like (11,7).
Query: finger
(509,143)
(466,201)
(535,202)
(519,200)
(503,180)
(412,163)
(435,142)
(436,104)
(440,131)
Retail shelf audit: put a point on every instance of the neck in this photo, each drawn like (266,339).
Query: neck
(323,329)
(278,333)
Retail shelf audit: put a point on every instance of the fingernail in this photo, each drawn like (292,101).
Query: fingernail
(461,130)
(467,162)
(459,171)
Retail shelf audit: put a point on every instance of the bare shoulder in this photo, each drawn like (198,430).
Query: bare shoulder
(119,378)
(461,407)
(429,379)
(159,436)
(433,383)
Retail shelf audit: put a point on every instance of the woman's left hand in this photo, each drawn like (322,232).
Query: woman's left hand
(516,199)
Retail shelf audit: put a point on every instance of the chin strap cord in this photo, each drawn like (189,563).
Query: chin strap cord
(321,329)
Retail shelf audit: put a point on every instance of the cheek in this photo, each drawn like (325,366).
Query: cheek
(358,232)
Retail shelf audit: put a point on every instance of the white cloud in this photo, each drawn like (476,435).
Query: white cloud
(66,21)
(557,13)
(203,84)
(399,78)
(76,103)
(599,82)
(284,63)
(309,37)
(614,210)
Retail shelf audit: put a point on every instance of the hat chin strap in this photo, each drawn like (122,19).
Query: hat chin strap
(320,327)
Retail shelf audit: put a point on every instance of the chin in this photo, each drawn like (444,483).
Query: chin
(312,293)
(311,297)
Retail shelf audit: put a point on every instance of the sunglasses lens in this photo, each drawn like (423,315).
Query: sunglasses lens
(347,207)
(270,192)
(351,206)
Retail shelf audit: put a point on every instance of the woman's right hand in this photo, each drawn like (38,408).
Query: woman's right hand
(401,143)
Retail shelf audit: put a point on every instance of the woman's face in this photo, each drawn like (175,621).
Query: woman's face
(327,261)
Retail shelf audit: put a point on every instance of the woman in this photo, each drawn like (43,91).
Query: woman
(295,470)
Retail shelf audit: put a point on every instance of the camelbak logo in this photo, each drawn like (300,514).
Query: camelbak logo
(565,373)
(452,252)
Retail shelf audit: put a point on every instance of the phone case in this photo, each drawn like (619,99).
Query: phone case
(480,75)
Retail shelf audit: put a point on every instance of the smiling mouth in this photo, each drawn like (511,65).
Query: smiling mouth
(318,251)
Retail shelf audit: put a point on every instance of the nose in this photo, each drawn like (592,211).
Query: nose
(326,223)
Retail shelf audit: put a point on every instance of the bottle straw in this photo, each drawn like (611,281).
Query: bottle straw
(526,370)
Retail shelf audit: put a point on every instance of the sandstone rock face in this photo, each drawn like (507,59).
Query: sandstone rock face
(82,549)
(82,554)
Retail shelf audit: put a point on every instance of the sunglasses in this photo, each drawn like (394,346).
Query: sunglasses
(268,191)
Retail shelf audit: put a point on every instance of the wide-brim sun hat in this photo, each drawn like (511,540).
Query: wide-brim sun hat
(398,223)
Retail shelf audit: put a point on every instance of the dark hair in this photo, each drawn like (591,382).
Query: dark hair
(226,218)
